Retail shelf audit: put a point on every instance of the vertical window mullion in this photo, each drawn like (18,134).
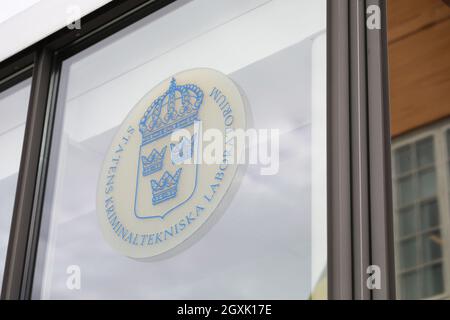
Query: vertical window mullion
(23,216)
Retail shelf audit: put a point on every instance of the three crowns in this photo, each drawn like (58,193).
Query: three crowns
(166,187)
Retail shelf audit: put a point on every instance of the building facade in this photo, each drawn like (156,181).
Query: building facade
(343,190)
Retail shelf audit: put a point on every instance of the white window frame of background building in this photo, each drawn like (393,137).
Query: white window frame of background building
(438,132)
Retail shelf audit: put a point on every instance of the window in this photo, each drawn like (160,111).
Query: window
(13,111)
(421,180)
(284,81)
(271,238)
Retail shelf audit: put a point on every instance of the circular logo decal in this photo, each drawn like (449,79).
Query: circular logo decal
(158,184)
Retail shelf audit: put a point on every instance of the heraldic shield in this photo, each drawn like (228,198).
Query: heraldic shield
(167,175)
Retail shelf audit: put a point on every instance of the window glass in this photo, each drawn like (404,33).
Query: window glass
(13,113)
(425,152)
(432,246)
(270,242)
(407,221)
(403,160)
(434,281)
(406,190)
(429,214)
(409,285)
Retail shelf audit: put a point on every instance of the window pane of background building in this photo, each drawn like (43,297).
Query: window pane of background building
(13,113)
(284,81)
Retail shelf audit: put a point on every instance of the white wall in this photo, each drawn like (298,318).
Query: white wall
(25,22)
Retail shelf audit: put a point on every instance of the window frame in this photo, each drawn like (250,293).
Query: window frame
(360,220)
(358,143)
(9,81)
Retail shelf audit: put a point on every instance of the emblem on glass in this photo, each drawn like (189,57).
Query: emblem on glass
(155,191)
(167,182)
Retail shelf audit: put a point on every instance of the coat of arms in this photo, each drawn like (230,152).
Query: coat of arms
(165,180)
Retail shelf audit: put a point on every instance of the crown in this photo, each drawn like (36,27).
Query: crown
(166,188)
(153,162)
(176,108)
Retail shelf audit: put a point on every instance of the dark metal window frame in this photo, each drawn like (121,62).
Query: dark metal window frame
(358,151)
(360,221)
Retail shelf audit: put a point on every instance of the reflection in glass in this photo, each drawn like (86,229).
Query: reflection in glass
(262,246)
(13,111)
